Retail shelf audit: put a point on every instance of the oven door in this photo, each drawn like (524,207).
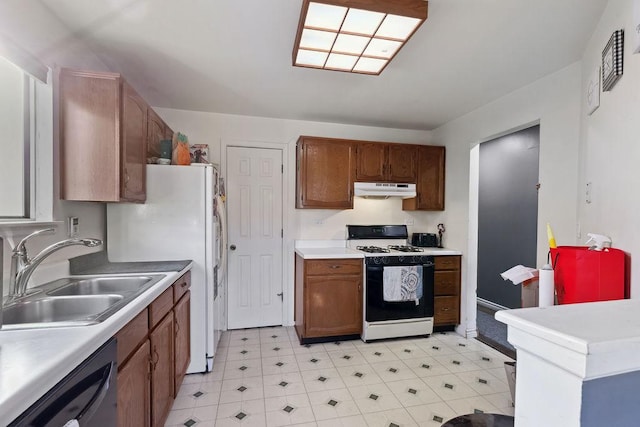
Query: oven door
(378,310)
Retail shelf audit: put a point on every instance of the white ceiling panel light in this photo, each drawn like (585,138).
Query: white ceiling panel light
(358,36)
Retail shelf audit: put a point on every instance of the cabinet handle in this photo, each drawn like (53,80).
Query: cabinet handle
(183,284)
(155,362)
(445,309)
(334,266)
(149,367)
(177,328)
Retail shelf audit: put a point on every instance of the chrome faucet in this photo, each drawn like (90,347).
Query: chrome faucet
(22,267)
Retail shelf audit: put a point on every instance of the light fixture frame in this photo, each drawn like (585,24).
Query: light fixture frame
(407,8)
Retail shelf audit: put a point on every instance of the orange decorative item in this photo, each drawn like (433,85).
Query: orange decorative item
(181,154)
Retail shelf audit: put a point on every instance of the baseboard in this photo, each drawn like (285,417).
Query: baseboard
(490,305)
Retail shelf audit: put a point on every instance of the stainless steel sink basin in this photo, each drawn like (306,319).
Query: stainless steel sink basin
(63,309)
(102,285)
(75,301)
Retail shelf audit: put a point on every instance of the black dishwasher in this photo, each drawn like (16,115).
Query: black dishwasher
(85,397)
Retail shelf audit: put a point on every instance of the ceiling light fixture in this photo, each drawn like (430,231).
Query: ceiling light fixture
(357,36)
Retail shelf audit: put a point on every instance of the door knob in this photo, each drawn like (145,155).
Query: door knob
(232,247)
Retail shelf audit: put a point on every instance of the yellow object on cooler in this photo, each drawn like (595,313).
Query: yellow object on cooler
(552,240)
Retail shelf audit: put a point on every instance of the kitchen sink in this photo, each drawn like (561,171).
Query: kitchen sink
(75,301)
(102,285)
(63,309)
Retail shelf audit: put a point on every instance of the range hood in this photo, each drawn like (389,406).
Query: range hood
(383,190)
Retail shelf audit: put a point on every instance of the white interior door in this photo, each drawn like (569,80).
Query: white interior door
(254,219)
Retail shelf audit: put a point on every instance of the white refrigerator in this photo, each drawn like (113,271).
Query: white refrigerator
(182,218)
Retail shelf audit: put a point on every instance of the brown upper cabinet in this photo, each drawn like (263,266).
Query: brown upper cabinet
(106,129)
(430,182)
(381,162)
(325,170)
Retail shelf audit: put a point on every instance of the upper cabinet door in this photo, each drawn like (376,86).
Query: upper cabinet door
(371,162)
(134,146)
(383,162)
(430,184)
(156,131)
(402,163)
(325,173)
(89,131)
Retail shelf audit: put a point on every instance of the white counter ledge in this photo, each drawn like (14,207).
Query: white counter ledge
(576,363)
(32,361)
(328,253)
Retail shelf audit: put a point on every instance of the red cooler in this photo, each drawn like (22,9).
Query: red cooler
(582,275)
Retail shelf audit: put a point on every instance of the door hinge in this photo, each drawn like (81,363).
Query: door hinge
(282,168)
(281,232)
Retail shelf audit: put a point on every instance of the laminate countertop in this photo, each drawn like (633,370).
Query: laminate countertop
(32,361)
(339,252)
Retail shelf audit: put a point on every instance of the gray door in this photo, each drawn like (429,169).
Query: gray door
(507,212)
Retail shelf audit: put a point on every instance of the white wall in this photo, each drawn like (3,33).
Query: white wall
(220,130)
(610,145)
(554,102)
(36,30)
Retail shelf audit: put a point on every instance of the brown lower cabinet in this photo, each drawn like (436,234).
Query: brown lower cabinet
(328,298)
(162,370)
(134,389)
(149,347)
(446,290)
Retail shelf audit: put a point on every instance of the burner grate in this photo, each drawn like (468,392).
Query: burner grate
(405,248)
(372,249)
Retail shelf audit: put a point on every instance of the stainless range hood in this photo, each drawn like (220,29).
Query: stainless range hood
(384,190)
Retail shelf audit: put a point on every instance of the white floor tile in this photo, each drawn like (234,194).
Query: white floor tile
(283,384)
(472,405)
(279,365)
(426,367)
(393,370)
(264,377)
(374,398)
(431,415)
(359,375)
(399,417)
(331,404)
(413,392)
(347,357)
(241,389)
(449,387)
(483,382)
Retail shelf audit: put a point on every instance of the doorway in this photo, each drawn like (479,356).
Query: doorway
(255,237)
(507,222)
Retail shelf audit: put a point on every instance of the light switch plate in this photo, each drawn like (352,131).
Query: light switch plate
(73,226)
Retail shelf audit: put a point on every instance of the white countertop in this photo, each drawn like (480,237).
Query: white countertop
(328,249)
(34,360)
(328,253)
(593,339)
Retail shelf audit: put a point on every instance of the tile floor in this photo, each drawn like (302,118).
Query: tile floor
(264,377)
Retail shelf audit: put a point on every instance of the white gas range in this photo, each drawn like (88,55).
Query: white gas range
(398,291)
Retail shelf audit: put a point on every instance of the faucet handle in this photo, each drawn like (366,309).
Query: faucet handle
(20,247)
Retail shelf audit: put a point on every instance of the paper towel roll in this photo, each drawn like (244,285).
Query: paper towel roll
(546,287)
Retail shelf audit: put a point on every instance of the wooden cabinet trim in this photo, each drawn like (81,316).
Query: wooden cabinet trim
(160,307)
(181,286)
(131,335)
(332,266)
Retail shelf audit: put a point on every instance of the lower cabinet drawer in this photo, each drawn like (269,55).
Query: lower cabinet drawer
(446,283)
(315,267)
(446,310)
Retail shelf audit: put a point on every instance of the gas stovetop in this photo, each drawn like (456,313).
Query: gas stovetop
(390,249)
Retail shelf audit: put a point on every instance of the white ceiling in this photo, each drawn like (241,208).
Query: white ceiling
(232,56)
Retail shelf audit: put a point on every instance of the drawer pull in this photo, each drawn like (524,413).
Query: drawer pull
(183,284)
(334,266)
(445,309)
